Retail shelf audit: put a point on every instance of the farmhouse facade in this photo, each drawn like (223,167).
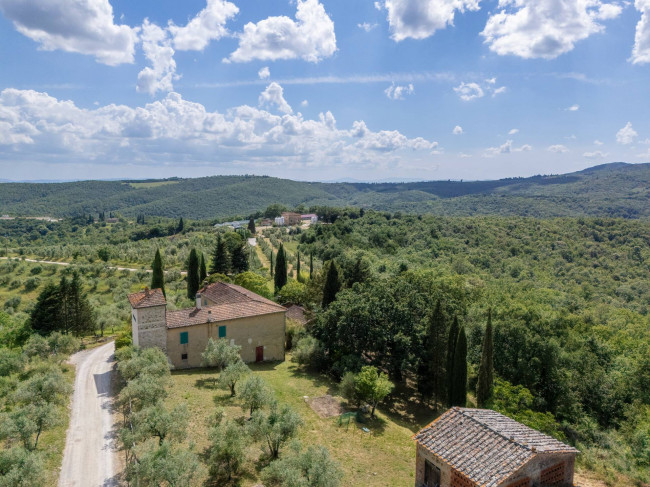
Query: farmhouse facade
(479,447)
(222,311)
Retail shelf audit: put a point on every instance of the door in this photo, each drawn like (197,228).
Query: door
(259,354)
(431,475)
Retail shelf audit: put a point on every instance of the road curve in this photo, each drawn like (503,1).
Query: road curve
(89,456)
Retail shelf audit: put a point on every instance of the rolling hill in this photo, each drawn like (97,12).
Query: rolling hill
(614,190)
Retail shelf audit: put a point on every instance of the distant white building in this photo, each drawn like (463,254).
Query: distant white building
(234,225)
(310,217)
(279,220)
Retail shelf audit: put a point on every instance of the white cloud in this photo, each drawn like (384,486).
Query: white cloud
(311,37)
(498,91)
(38,128)
(595,155)
(304,103)
(397,92)
(273,95)
(506,148)
(573,108)
(626,135)
(156,45)
(366,26)
(264,73)
(513,131)
(558,148)
(81,26)
(209,24)
(491,81)
(458,130)
(598,142)
(419,19)
(545,28)
(469,91)
(641,50)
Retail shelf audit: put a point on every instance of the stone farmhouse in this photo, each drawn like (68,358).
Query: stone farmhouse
(222,311)
(479,447)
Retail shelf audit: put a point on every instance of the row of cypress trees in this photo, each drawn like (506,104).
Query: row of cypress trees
(442,373)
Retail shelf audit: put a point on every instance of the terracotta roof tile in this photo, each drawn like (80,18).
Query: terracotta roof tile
(485,446)
(147,298)
(297,313)
(232,302)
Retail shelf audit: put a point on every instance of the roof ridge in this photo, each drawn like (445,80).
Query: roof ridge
(508,438)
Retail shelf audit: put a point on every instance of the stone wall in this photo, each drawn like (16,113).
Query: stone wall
(149,327)
(422,454)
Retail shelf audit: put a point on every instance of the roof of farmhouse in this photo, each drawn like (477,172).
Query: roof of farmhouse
(485,446)
(231,302)
(147,298)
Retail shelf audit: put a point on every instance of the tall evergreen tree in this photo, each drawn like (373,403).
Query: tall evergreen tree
(82,317)
(203,272)
(44,319)
(271,261)
(280,277)
(451,349)
(251,225)
(64,311)
(158,275)
(220,258)
(193,277)
(486,369)
(459,392)
(298,276)
(332,284)
(181,225)
(431,371)
(311,265)
(240,261)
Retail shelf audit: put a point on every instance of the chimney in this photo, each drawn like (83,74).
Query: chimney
(198,300)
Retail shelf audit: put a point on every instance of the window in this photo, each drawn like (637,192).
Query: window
(222,331)
(205,301)
(183,356)
(184,338)
(431,474)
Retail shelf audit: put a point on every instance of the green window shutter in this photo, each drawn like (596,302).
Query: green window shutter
(222,331)
(184,338)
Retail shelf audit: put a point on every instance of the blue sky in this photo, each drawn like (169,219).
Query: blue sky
(321,90)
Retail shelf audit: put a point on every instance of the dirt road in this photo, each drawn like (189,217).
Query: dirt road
(89,456)
(51,262)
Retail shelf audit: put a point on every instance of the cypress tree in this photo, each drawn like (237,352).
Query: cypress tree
(431,371)
(240,258)
(158,275)
(271,261)
(82,318)
(298,277)
(280,277)
(459,393)
(63,314)
(181,226)
(486,369)
(220,258)
(451,348)
(311,265)
(203,272)
(332,284)
(193,277)
(251,225)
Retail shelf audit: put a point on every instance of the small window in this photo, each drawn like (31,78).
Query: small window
(184,338)
(205,301)
(222,331)
(183,356)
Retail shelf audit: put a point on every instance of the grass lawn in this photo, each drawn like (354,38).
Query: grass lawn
(385,456)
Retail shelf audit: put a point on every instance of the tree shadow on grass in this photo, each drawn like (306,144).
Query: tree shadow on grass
(319,380)
(405,408)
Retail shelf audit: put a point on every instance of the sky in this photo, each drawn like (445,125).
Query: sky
(321,90)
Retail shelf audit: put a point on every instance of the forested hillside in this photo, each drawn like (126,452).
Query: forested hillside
(614,190)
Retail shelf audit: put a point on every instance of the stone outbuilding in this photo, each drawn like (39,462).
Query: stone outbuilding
(222,311)
(479,447)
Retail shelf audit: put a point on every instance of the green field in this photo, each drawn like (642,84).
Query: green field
(385,456)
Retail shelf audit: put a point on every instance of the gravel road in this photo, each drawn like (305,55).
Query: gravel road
(89,457)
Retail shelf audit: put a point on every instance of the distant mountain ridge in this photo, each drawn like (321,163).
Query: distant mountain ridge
(613,190)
